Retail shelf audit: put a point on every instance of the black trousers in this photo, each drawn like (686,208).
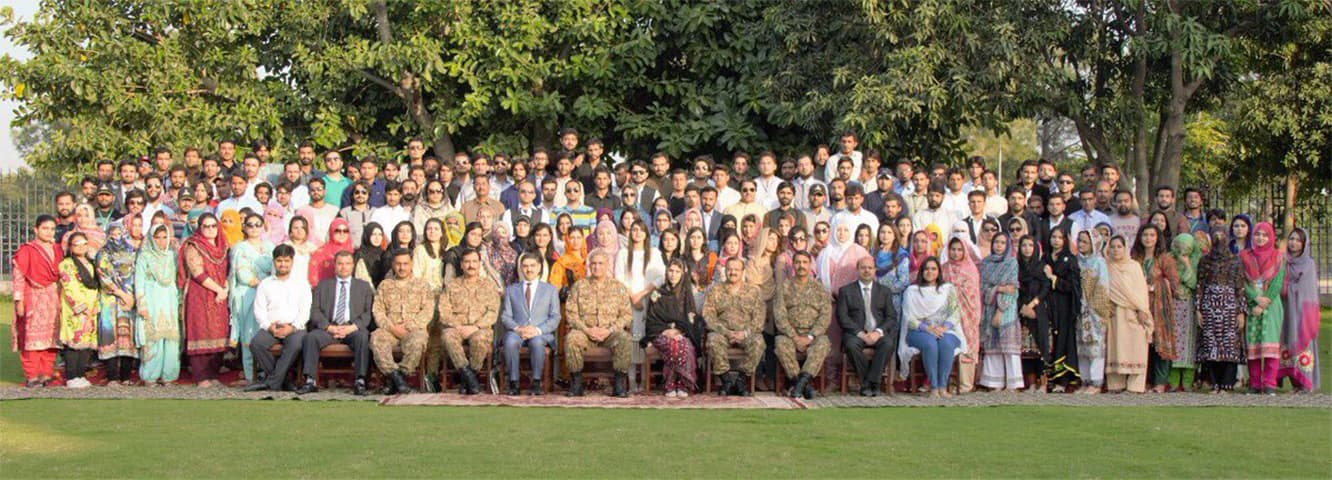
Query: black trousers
(120,368)
(871,371)
(1221,374)
(263,358)
(76,362)
(359,341)
(767,367)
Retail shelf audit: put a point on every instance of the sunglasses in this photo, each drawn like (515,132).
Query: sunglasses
(991,230)
(254,225)
(747,190)
(360,192)
(434,190)
(639,172)
(630,194)
(816,194)
(136,202)
(208,225)
(341,230)
(799,239)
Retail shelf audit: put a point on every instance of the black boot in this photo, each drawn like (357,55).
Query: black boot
(471,381)
(742,385)
(727,384)
(536,388)
(621,388)
(400,382)
(513,388)
(359,388)
(801,383)
(808,390)
(576,386)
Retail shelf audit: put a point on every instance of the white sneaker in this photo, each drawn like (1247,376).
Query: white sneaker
(682,394)
(78,383)
(673,393)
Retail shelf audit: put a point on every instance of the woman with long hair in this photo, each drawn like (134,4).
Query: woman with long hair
(156,297)
(427,261)
(202,273)
(1299,333)
(932,326)
(115,326)
(699,261)
(669,246)
(674,327)
(1240,227)
(1129,333)
(865,237)
(339,240)
(1001,335)
(78,317)
(369,255)
(1221,304)
(1162,284)
(37,309)
(640,269)
(543,245)
(1065,300)
(961,271)
(252,261)
(1096,310)
(571,266)
(563,225)
(298,236)
(1265,275)
(1033,311)
(892,262)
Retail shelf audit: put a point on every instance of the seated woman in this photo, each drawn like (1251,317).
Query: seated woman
(674,327)
(931,326)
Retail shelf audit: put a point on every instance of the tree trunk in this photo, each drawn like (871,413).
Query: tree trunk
(1292,189)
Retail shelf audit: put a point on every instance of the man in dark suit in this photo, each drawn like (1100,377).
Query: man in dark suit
(340,312)
(531,315)
(868,318)
(1055,220)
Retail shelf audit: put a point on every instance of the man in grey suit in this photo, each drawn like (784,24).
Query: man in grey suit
(530,315)
(868,318)
(340,312)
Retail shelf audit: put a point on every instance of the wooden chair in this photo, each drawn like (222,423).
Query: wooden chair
(822,378)
(917,376)
(733,354)
(483,375)
(525,358)
(337,353)
(650,356)
(885,381)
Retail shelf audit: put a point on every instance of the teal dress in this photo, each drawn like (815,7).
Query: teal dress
(157,325)
(250,263)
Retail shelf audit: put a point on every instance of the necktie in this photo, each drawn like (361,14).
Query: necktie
(528,293)
(340,308)
(869,317)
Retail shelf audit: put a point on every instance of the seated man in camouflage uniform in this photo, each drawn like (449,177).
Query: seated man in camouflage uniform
(468,309)
(734,313)
(802,313)
(598,314)
(403,306)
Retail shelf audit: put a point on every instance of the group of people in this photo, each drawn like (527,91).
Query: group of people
(779,272)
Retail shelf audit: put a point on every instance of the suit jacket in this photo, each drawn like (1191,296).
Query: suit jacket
(545,311)
(851,309)
(713,221)
(359,306)
(1044,230)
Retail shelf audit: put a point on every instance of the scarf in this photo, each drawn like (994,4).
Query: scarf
(1262,263)
(453,229)
(369,254)
(160,262)
(323,259)
(1301,292)
(275,230)
(1187,253)
(1128,287)
(231,226)
(999,268)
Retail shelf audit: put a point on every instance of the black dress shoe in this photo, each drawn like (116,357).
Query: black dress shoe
(576,386)
(513,388)
(256,387)
(307,387)
(359,389)
(471,384)
(742,386)
(801,382)
(727,384)
(400,383)
(536,388)
(810,392)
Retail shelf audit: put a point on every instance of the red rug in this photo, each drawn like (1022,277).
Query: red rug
(595,401)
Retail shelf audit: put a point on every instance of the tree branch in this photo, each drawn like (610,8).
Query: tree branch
(383,82)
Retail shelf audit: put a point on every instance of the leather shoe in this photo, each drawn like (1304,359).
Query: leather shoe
(536,388)
(621,388)
(471,384)
(359,389)
(256,387)
(801,382)
(742,385)
(307,387)
(400,383)
(576,386)
(513,388)
(727,383)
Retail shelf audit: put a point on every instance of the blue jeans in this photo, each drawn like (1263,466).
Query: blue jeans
(536,345)
(936,353)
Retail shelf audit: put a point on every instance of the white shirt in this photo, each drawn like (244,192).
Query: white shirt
(727,196)
(830,170)
(323,218)
(956,203)
(995,205)
(282,301)
(865,217)
(940,217)
(300,196)
(389,217)
(766,193)
(237,204)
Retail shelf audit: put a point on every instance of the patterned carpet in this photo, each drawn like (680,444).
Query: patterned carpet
(596,401)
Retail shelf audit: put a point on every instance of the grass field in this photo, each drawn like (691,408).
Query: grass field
(211,439)
(216,439)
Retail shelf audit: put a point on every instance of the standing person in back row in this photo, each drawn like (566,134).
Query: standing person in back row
(340,313)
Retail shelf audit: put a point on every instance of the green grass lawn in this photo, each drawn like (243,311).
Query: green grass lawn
(214,439)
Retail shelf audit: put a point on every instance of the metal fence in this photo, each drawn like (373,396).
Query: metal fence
(1313,213)
(22,198)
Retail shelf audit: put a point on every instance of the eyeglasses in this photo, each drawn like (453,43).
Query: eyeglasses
(816,194)
(208,225)
(434,190)
(750,189)
(136,202)
(639,172)
(341,230)
(820,230)
(991,230)
(360,192)
(1068,182)
(800,239)
(630,194)
(527,192)
(253,225)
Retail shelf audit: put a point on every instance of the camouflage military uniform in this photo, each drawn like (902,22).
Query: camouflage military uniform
(598,303)
(406,303)
(804,309)
(728,312)
(469,302)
